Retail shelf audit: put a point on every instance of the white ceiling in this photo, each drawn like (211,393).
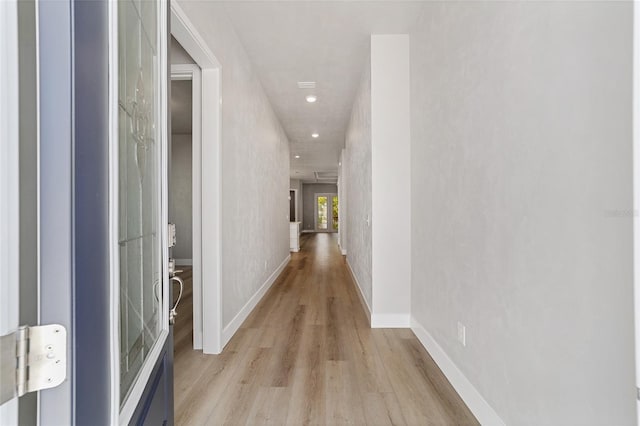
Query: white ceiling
(322,41)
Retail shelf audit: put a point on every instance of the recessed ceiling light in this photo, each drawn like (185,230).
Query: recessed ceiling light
(311,98)
(297,156)
(314,135)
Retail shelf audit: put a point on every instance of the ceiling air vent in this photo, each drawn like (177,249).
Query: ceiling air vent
(306,85)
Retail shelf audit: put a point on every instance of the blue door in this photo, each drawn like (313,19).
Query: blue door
(121,213)
(103,251)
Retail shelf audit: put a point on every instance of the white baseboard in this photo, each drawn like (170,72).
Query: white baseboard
(236,322)
(343,251)
(390,321)
(363,300)
(480,408)
(307,231)
(186,262)
(296,250)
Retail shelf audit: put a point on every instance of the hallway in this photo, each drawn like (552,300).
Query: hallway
(306,355)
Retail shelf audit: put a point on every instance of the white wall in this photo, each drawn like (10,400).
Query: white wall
(357,168)
(390,185)
(521,188)
(255,174)
(376,175)
(181,197)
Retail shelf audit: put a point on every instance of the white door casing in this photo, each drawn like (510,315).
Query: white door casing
(9,206)
(636,191)
(187,35)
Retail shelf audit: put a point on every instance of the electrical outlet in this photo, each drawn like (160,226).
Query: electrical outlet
(462,334)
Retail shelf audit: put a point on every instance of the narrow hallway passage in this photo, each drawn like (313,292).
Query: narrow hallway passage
(306,355)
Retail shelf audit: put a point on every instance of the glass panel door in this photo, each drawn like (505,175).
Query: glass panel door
(334,210)
(326,207)
(322,216)
(140,188)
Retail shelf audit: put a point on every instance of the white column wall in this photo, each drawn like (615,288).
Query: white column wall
(391,181)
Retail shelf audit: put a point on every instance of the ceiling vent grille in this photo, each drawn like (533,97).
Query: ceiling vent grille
(306,85)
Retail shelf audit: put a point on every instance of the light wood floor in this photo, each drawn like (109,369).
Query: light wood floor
(306,355)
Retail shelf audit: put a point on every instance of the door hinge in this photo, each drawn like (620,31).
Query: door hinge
(32,359)
(638,393)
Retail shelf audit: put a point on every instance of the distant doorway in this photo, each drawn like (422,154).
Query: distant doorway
(293,205)
(326,212)
(184,203)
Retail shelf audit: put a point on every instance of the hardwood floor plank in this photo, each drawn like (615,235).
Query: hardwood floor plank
(307,403)
(270,407)
(307,356)
(287,355)
(370,371)
(452,404)
(382,409)
(344,402)
(419,398)
(195,401)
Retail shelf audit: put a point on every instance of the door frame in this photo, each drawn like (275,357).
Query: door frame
(9,192)
(329,196)
(187,35)
(192,73)
(636,191)
(64,256)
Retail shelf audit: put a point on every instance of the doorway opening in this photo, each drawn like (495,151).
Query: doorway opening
(293,206)
(184,208)
(326,212)
(204,71)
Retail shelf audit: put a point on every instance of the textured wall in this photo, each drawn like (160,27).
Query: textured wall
(181,199)
(521,177)
(358,185)
(255,171)
(309,203)
(342,206)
